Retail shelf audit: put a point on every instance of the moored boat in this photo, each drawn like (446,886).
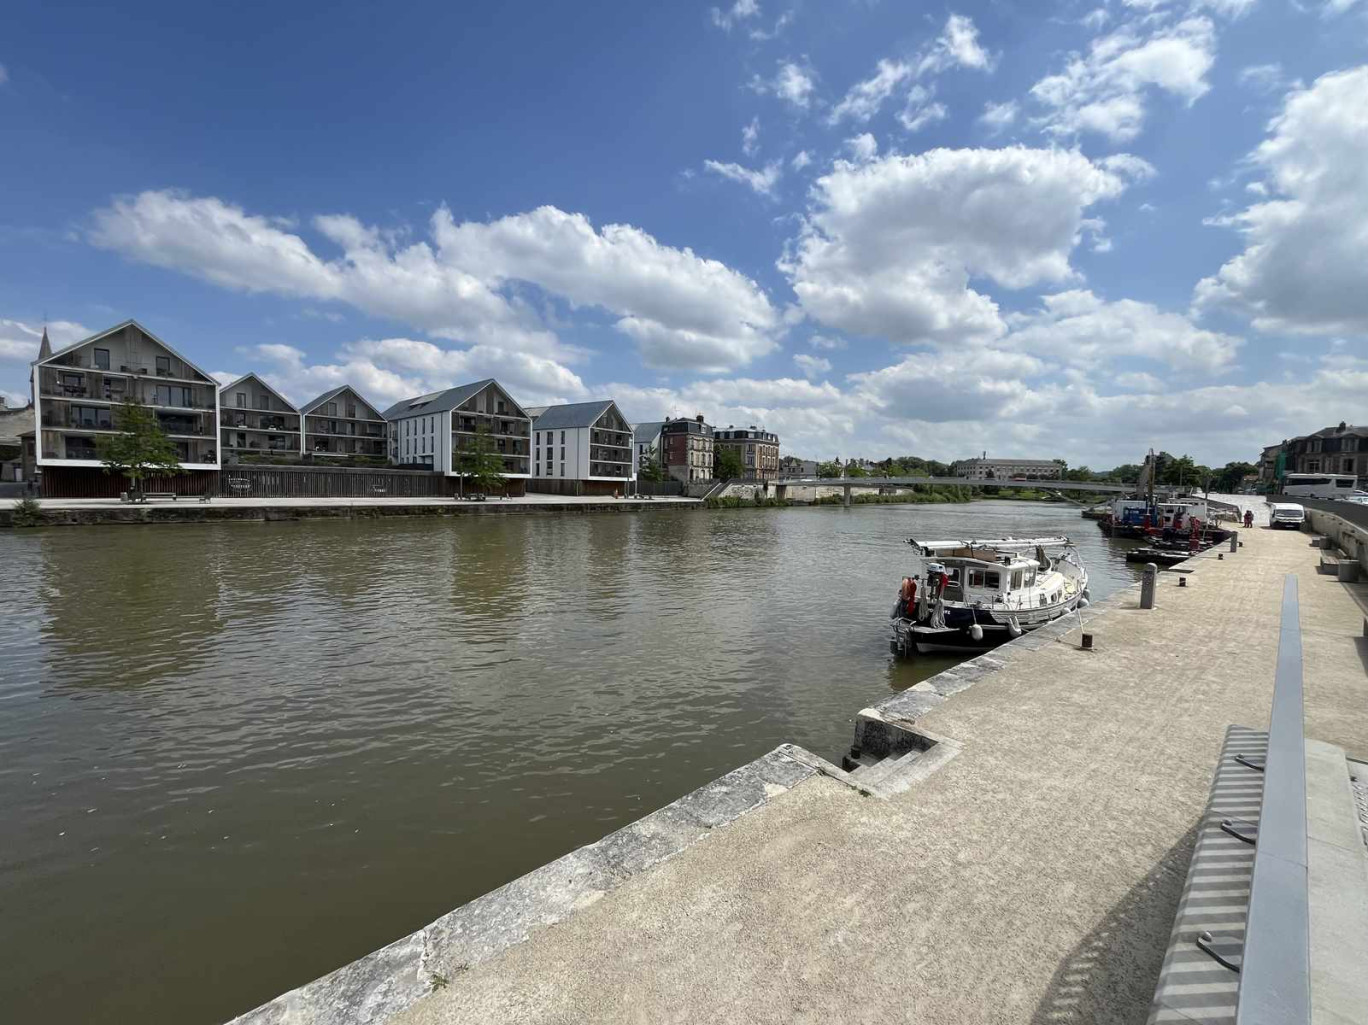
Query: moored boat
(974,595)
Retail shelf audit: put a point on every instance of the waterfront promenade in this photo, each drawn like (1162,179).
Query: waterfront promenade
(1032,877)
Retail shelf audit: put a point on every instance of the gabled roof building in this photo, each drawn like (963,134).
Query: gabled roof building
(434,430)
(582,448)
(341,423)
(256,419)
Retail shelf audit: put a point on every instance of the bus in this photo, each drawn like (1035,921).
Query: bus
(1319,485)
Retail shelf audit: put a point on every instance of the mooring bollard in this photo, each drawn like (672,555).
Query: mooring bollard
(1147,583)
(1234,540)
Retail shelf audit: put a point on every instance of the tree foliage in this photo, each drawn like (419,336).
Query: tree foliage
(726,463)
(831,469)
(140,448)
(480,463)
(653,472)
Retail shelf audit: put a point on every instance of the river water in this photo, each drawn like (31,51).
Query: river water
(236,756)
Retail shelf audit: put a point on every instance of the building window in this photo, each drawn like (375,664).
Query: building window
(241,400)
(164,366)
(332,409)
(351,411)
(101,359)
(562,442)
(562,469)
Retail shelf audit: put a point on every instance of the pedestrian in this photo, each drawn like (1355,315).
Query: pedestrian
(1249,518)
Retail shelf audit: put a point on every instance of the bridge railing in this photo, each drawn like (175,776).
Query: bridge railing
(1275,986)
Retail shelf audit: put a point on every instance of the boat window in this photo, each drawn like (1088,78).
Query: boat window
(1016,579)
(1030,577)
(992,581)
(976,578)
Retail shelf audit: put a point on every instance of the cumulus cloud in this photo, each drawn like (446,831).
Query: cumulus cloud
(762,180)
(956,46)
(792,82)
(862,147)
(800,160)
(1305,245)
(740,11)
(998,117)
(920,111)
(888,247)
(1079,328)
(462,282)
(812,366)
(941,386)
(1263,78)
(865,98)
(1105,91)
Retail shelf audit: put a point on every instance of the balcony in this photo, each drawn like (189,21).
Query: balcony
(465,422)
(251,420)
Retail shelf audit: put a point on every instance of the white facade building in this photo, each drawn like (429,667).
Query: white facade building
(646,443)
(432,430)
(582,448)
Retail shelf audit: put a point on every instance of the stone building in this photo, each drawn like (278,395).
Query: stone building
(757,450)
(687,449)
(988,468)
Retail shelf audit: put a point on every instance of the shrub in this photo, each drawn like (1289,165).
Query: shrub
(27,513)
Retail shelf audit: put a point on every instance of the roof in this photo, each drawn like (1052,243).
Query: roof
(119,327)
(573,414)
(328,396)
(437,401)
(14,422)
(644,434)
(253,377)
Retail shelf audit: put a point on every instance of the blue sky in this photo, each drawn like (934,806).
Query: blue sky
(1072,231)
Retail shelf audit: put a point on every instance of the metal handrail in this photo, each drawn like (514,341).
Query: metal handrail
(1275,986)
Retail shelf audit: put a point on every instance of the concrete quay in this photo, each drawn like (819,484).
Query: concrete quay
(90,511)
(1022,863)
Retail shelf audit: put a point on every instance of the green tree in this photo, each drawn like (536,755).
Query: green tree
(140,449)
(1126,473)
(653,472)
(853,469)
(481,465)
(831,469)
(726,463)
(1080,473)
(1228,477)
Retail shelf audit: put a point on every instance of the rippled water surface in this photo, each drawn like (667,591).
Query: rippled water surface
(235,756)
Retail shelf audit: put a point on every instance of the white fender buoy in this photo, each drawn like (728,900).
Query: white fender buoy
(1083,603)
(976,632)
(1013,627)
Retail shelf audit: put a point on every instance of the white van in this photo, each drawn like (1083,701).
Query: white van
(1284,514)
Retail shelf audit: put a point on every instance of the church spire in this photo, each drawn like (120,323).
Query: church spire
(44,347)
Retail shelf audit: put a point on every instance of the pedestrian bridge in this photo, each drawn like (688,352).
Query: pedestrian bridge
(848,483)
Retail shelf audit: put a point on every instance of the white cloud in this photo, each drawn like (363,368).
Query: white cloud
(888,247)
(1263,78)
(1095,18)
(865,98)
(390,369)
(738,12)
(937,387)
(750,137)
(1138,380)
(826,343)
(919,111)
(998,117)
(1334,7)
(792,83)
(1081,329)
(1306,246)
(19,340)
(862,147)
(812,366)
(800,160)
(1104,91)
(463,282)
(762,181)
(960,42)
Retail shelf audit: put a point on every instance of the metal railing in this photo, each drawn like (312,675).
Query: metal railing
(1275,974)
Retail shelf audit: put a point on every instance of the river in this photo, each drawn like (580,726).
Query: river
(236,756)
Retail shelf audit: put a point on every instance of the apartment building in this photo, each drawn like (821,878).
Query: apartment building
(646,443)
(1342,449)
(687,449)
(758,450)
(434,430)
(986,468)
(255,419)
(341,423)
(77,392)
(581,448)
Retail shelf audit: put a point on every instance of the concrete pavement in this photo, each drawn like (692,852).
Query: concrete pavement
(1032,878)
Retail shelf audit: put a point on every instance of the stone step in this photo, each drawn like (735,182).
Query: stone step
(873,775)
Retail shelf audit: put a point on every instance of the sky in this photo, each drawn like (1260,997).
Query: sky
(1058,230)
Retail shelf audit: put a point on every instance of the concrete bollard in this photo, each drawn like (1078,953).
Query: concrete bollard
(1234,540)
(1147,583)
